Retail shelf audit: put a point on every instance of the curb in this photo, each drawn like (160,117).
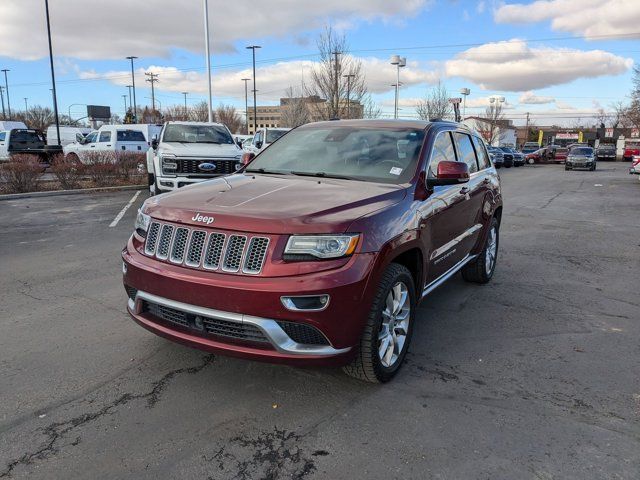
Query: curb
(79,191)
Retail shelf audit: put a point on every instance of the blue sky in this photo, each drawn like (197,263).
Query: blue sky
(553,62)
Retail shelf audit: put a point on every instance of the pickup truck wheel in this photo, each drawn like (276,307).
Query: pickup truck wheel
(481,269)
(73,158)
(389,327)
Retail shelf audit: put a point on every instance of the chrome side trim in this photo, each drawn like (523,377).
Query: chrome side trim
(274,333)
(449,245)
(447,275)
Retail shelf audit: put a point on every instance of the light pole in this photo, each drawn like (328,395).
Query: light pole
(349,77)
(6,88)
(246,106)
(4,115)
(495,111)
(464,92)
(133,85)
(72,105)
(26,107)
(206,45)
(399,62)
(129,88)
(53,76)
(185,105)
(154,101)
(124,97)
(255,107)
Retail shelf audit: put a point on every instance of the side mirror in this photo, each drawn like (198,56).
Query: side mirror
(154,143)
(450,173)
(247,157)
(259,144)
(79,138)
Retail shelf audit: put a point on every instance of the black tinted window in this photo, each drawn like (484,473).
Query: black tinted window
(465,150)
(442,150)
(2,136)
(130,136)
(483,158)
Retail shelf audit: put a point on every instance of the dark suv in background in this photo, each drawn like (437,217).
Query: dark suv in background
(319,251)
(606,151)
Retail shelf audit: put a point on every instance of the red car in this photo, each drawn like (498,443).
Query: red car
(631,149)
(319,250)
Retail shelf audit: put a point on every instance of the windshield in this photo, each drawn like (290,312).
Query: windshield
(371,154)
(581,151)
(196,134)
(607,147)
(273,135)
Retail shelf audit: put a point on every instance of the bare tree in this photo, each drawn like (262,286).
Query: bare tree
(493,117)
(633,111)
(328,79)
(200,112)
(174,113)
(230,117)
(294,110)
(37,117)
(370,109)
(436,104)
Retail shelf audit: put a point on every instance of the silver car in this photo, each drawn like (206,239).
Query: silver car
(581,158)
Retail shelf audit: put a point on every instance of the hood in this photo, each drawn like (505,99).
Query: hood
(275,204)
(199,149)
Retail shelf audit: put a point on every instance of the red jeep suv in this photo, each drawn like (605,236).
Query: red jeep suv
(318,251)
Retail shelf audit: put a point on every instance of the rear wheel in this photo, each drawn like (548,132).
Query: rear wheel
(566,167)
(387,334)
(531,161)
(481,269)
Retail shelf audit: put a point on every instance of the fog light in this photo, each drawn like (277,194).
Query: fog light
(306,303)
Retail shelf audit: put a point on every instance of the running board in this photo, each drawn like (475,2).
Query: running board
(447,275)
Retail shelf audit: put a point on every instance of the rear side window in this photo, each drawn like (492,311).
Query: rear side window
(465,150)
(130,136)
(481,152)
(105,136)
(442,150)
(3,135)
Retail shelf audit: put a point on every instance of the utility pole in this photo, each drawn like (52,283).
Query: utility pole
(206,47)
(336,86)
(133,85)
(53,76)
(125,103)
(246,106)
(129,88)
(4,115)
(6,88)
(349,77)
(526,138)
(153,78)
(26,107)
(186,115)
(255,106)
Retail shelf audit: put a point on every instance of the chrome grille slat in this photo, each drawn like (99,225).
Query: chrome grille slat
(164,243)
(195,248)
(196,245)
(234,253)
(213,252)
(152,239)
(179,245)
(256,253)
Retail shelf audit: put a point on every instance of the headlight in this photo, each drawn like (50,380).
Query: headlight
(168,162)
(142,223)
(322,246)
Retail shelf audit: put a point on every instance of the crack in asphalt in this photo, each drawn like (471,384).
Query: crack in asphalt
(57,431)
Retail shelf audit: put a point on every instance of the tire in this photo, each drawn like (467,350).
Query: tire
(531,161)
(482,268)
(73,158)
(368,365)
(566,167)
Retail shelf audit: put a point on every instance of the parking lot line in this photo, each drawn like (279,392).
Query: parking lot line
(124,210)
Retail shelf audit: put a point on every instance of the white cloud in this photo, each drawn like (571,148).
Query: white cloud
(591,18)
(514,66)
(119,28)
(530,98)
(272,80)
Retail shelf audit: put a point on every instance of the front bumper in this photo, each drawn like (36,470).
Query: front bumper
(168,184)
(256,301)
(585,165)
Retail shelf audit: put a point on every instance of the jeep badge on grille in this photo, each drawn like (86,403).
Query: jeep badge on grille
(198,217)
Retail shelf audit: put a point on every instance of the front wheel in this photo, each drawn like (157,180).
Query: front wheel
(387,334)
(481,269)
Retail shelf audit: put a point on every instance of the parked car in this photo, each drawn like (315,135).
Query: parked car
(497,156)
(518,158)
(109,138)
(631,149)
(606,151)
(530,147)
(25,141)
(508,156)
(581,158)
(191,152)
(319,251)
(560,154)
(263,138)
(6,125)
(635,165)
(67,134)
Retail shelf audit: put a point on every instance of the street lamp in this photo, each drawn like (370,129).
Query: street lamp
(185,105)
(124,97)
(399,62)
(464,92)
(6,89)
(53,76)
(246,106)
(255,108)
(349,77)
(206,45)
(26,107)
(133,85)
(129,88)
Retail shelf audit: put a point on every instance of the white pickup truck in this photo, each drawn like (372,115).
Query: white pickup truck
(190,152)
(263,138)
(108,138)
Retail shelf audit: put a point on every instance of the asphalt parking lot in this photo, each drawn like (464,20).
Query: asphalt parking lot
(533,376)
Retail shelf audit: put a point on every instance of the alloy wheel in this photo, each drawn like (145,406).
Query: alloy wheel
(491,251)
(396,316)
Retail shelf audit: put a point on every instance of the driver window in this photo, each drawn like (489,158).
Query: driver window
(257,137)
(442,150)
(91,138)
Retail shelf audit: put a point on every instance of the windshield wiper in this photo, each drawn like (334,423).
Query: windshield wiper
(320,174)
(262,170)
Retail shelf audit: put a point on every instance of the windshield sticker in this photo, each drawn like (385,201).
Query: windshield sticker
(395,171)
